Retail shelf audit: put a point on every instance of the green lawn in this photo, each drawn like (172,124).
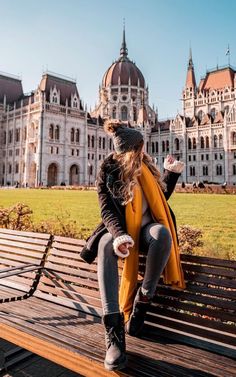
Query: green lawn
(215,215)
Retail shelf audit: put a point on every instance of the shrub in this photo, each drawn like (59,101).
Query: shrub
(189,239)
(17,217)
(62,225)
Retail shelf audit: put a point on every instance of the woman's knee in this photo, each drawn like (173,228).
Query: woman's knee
(160,233)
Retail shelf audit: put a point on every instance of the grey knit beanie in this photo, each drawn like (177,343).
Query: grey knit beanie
(125,139)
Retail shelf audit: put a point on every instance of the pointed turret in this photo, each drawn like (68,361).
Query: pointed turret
(142,115)
(190,79)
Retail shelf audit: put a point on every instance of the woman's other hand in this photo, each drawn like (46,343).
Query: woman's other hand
(124,247)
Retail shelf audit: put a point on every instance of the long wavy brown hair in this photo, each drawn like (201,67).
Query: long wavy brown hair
(130,166)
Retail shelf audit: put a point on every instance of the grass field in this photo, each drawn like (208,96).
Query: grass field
(215,215)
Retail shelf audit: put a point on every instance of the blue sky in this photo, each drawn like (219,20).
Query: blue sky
(81,38)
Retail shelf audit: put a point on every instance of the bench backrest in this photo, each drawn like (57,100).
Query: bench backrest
(206,309)
(17,249)
(67,279)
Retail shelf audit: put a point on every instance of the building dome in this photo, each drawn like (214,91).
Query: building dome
(123,71)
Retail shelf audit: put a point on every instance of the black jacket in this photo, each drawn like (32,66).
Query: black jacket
(112,211)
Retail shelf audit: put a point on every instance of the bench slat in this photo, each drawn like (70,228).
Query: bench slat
(23,239)
(212,281)
(78,305)
(67,240)
(191,307)
(198,298)
(204,289)
(15,260)
(20,245)
(75,249)
(193,330)
(4,250)
(71,262)
(70,295)
(73,279)
(72,271)
(26,234)
(193,319)
(223,272)
(207,260)
(67,287)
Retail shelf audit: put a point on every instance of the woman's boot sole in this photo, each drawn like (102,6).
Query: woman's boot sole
(116,367)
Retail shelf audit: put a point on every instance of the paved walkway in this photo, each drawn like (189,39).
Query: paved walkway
(33,366)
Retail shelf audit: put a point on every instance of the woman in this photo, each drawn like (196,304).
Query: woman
(135,217)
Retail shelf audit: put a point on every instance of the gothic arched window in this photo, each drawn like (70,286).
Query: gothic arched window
(233,138)
(72,135)
(226,109)
(207,141)
(202,142)
(219,170)
(51,132)
(92,141)
(77,135)
(200,115)
(163,146)
(157,147)
(114,112)
(220,140)
(177,144)
(189,143)
(234,169)
(194,143)
(57,133)
(124,113)
(205,170)
(215,141)
(153,147)
(213,113)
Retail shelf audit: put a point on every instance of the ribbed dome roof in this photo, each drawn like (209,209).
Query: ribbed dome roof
(122,70)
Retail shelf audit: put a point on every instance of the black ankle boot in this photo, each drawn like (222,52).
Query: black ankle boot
(115,341)
(135,323)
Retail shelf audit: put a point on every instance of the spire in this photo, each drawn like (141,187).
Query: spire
(190,61)
(123,49)
(190,79)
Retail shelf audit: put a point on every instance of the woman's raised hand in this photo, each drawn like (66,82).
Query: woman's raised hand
(170,159)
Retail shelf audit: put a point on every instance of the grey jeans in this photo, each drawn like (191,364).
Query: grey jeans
(156,240)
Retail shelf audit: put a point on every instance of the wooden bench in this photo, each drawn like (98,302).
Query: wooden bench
(61,320)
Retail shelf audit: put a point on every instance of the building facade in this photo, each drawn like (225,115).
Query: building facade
(48,138)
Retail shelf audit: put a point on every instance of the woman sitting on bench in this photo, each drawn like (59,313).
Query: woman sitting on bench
(135,217)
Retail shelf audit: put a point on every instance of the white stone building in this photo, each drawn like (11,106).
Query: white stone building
(48,138)
(205,135)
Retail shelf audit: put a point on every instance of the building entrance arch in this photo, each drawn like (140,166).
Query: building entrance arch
(74,175)
(52,175)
